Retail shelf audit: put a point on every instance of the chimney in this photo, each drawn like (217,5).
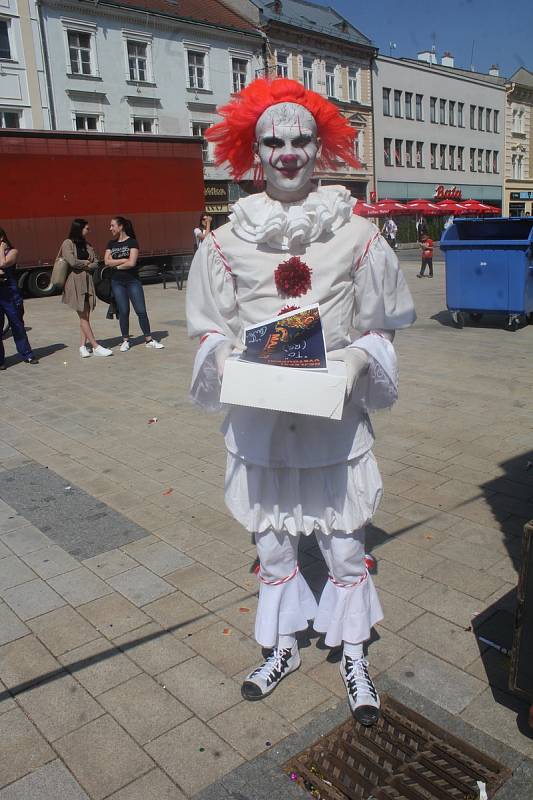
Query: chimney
(428,56)
(494,71)
(447,60)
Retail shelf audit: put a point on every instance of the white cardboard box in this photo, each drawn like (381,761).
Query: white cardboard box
(298,391)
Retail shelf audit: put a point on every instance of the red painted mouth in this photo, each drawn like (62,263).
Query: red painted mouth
(289,172)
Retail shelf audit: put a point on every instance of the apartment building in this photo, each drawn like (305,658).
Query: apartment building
(150,66)
(23,85)
(318,47)
(439,130)
(519,137)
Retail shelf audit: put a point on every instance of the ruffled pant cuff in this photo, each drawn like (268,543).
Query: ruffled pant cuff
(347,614)
(283,609)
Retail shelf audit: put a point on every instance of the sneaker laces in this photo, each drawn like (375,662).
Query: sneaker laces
(357,678)
(274,666)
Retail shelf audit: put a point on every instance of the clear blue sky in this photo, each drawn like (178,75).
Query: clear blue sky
(502,31)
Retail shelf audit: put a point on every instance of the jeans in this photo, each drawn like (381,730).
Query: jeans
(10,308)
(426,262)
(123,292)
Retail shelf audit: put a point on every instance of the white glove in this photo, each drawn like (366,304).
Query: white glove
(356,361)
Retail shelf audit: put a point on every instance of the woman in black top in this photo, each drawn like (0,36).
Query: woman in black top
(122,254)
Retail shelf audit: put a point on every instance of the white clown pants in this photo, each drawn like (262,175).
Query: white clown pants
(349,604)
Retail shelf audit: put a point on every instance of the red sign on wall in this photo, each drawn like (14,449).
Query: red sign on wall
(447,194)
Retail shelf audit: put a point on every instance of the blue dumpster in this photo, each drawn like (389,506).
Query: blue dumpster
(489,267)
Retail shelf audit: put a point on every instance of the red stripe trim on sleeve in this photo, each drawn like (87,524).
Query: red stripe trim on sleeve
(206,335)
(365,252)
(221,254)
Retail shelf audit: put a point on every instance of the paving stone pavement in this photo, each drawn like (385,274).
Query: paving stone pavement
(126,592)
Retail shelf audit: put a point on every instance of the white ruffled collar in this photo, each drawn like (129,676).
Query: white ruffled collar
(260,219)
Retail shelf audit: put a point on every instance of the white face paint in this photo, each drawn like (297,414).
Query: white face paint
(287,146)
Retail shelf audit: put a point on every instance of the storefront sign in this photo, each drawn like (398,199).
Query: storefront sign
(521,195)
(216,197)
(441,193)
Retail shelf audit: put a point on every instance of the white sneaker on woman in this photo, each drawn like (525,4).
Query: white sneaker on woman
(102,351)
(84,353)
(154,344)
(125,346)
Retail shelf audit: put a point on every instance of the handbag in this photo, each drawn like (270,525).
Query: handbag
(59,272)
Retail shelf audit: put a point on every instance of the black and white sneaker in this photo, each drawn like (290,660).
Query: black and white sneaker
(263,680)
(362,695)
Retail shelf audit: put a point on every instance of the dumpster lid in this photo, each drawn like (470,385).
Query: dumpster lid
(512,230)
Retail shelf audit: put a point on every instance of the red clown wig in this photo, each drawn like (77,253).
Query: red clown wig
(235,135)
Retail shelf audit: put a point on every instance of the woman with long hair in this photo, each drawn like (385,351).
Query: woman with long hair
(121,255)
(10,302)
(203,229)
(78,292)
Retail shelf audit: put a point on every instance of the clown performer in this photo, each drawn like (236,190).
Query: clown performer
(290,474)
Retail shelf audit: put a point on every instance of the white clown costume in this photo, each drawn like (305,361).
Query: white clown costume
(290,474)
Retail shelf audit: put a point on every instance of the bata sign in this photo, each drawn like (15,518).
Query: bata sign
(447,194)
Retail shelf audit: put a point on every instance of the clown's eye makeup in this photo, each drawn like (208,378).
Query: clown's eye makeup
(301,141)
(273,141)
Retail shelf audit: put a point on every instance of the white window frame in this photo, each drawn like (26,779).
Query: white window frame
(285,65)
(330,72)
(409,161)
(495,120)
(99,120)
(460,114)
(398,152)
(137,37)
(419,155)
(451,157)
(398,110)
(194,47)
(153,120)
(15,111)
(309,70)
(460,158)
(240,56)
(408,105)
(354,80)
(11,41)
(419,105)
(385,93)
(207,147)
(80,26)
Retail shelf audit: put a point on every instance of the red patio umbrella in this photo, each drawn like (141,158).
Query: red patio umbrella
(393,207)
(363,209)
(451,207)
(477,207)
(424,207)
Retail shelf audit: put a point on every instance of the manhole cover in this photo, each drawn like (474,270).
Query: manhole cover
(403,757)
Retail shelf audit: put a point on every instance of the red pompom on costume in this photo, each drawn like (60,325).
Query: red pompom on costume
(235,135)
(292,278)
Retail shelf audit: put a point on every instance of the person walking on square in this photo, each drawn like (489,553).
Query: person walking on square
(78,292)
(10,302)
(389,230)
(122,254)
(427,256)
(289,475)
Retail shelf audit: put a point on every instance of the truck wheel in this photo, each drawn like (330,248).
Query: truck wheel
(39,283)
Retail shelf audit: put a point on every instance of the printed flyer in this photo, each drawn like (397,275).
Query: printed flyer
(294,339)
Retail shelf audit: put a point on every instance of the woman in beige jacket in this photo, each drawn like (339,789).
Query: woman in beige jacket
(78,292)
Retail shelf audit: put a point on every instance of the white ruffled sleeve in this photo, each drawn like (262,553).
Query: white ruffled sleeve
(382,303)
(212,315)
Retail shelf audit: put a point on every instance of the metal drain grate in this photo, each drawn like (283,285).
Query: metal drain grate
(403,757)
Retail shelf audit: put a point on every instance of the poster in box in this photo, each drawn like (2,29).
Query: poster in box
(294,339)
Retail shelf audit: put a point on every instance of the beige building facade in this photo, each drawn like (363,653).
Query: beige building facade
(518,194)
(319,48)
(24,100)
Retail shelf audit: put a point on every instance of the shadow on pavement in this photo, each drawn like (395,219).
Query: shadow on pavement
(509,497)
